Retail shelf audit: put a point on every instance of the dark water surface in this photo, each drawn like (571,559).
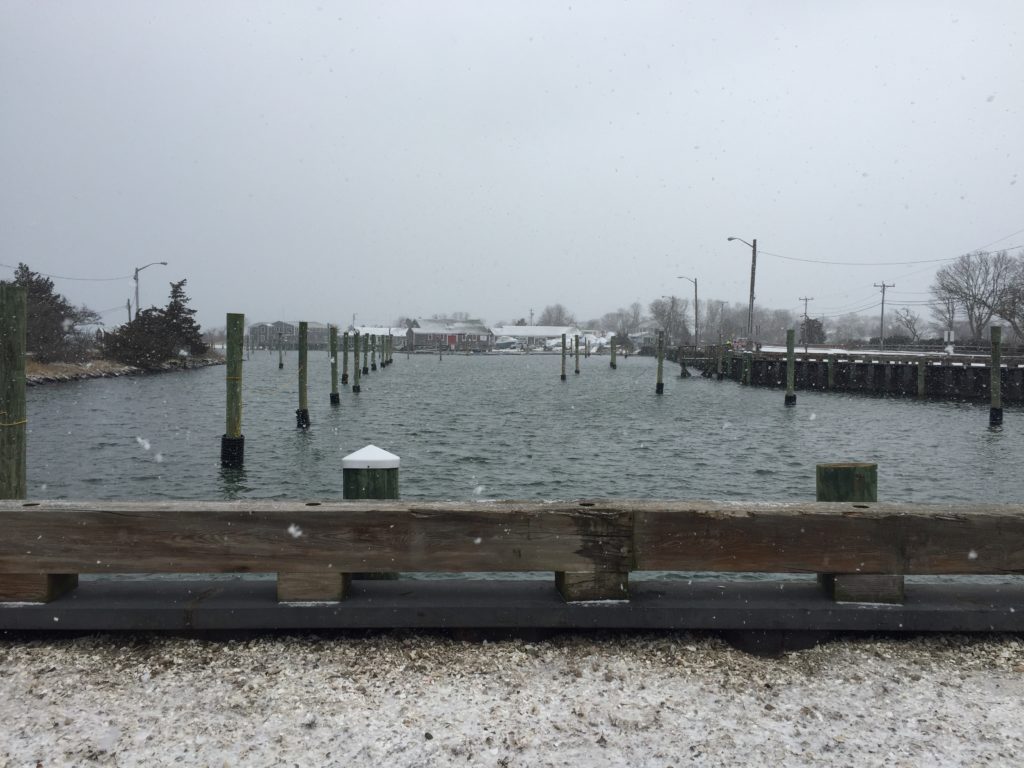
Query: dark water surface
(488,427)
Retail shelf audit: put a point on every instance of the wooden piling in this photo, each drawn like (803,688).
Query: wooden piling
(563,357)
(790,367)
(855,482)
(586,353)
(366,354)
(831,372)
(344,358)
(576,346)
(659,387)
(373,352)
(611,364)
(232,442)
(995,413)
(302,413)
(13,414)
(355,363)
(280,351)
(333,339)
(26,587)
(922,377)
(748,367)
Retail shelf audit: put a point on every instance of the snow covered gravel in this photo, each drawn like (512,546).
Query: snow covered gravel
(422,700)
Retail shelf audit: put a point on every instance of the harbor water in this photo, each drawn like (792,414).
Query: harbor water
(473,427)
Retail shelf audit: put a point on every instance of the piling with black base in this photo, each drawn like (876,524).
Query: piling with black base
(335,397)
(612,364)
(576,344)
(344,358)
(659,387)
(995,412)
(232,443)
(302,413)
(791,367)
(366,355)
(563,357)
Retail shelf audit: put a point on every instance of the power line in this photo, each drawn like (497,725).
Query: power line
(884,263)
(81,279)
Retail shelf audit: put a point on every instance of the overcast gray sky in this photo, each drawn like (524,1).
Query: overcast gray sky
(319,160)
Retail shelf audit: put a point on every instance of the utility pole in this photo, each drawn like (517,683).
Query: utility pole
(881,333)
(803,327)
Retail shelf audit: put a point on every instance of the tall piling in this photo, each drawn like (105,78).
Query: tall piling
(659,387)
(333,339)
(366,354)
(280,351)
(232,442)
(576,346)
(373,352)
(302,413)
(855,482)
(355,363)
(13,414)
(995,412)
(344,358)
(611,364)
(922,373)
(790,367)
(563,357)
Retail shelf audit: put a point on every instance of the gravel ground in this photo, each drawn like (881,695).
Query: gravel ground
(410,700)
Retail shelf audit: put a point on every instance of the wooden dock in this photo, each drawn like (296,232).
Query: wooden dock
(64,565)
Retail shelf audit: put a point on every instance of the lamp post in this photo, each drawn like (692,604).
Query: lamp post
(753,268)
(696,327)
(137,270)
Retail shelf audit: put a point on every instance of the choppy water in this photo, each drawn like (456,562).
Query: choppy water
(479,427)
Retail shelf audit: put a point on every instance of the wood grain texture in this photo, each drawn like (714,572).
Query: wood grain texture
(35,587)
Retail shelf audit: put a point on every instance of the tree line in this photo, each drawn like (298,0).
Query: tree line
(58,331)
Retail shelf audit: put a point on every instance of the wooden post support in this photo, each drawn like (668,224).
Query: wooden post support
(922,377)
(280,351)
(302,413)
(995,413)
(232,442)
(333,338)
(373,352)
(576,346)
(586,352)
(659,387)
(855,482)
(19,587)
(790,367)
(355,363)
(13,413)
(563,357)
(612,363)
(344,358)
(370,473)
(366,354)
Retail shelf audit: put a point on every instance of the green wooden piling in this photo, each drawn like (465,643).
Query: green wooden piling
(995,413)
(373,352)
(586,352)
(355,363)
(333,334)
(612,363)
(302,413)
(232,442)
(344,358)
(366,354)
(370,473)
(659,387)
(922,381)
(280,351)
(576,346)
(790,367)
(855,482)
(563,357)
(28,587)
(13,414)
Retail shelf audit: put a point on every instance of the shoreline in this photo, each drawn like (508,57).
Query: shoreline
(37,374)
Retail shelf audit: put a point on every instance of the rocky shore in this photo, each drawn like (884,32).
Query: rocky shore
(398,699)
(55,373)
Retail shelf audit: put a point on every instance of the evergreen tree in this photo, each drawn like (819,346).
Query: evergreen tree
(158,335)
(52,321)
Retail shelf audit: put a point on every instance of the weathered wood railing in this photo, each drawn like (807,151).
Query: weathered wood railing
(592,546)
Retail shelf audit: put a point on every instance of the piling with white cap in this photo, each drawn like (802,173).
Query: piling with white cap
(370,473)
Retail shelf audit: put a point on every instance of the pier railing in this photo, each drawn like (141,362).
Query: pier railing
(590,546)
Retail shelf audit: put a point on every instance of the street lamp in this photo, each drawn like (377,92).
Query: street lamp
(137,270)
(696,327)
(753,268)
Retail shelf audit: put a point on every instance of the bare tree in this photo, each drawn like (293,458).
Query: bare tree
(975,281)
(1010,302)
(670,314)
(909,321)
(555,314)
